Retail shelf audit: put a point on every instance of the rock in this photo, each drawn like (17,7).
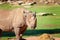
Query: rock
(45,37)
(46,14)
(41,1)
(53,1)
(14,3)
(20,2)
(27,6)
(8,1)
(56,3)
(42,37)
(32,3)
(46,2)
(50,1)
(1,2)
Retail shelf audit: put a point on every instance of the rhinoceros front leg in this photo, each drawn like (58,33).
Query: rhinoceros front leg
(18,33)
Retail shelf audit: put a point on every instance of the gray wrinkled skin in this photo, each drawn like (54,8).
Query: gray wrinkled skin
(17,20)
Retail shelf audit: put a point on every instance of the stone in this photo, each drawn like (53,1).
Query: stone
(46,14)
(56,3)
(45,37)
(1,3)
(15,3)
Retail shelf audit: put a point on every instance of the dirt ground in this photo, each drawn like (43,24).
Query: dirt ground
(35,38)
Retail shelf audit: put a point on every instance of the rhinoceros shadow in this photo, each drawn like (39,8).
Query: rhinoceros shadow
(33,32)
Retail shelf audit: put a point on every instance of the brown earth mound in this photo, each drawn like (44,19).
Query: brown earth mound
(41,37)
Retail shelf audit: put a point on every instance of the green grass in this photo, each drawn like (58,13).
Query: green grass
(45,24)
(7,6)
(53,9)
(48,24)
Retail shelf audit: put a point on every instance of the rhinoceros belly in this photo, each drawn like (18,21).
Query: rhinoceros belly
(5,20)
(5,26)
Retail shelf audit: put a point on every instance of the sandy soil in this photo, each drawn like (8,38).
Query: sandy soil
(35,38)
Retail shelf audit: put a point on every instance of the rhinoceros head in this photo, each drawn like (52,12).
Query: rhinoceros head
(31,19)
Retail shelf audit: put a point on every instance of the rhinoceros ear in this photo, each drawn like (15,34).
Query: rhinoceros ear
(25,14)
